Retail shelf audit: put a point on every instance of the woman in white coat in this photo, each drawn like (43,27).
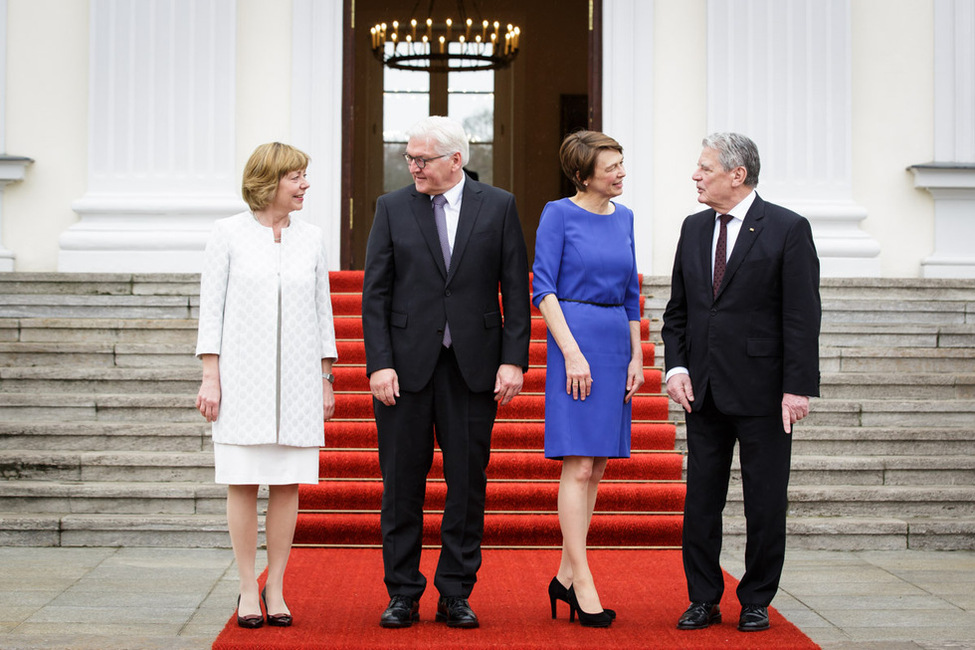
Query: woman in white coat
(267,343)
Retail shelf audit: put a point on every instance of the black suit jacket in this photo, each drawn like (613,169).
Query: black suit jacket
(759,338)
(408,295)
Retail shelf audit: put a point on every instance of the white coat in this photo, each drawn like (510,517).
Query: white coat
(265,310)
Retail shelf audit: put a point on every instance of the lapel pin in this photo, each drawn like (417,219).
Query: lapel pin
(751,230)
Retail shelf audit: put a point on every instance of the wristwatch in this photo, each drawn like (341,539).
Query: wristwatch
(329,376)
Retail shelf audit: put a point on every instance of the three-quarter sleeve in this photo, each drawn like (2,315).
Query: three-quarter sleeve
(213,291)
(323,305)
(549,241)
(631,301)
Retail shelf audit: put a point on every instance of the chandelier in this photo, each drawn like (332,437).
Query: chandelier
(443,45)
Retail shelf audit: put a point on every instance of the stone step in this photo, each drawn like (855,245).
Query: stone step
(86,407)
(890,413)
(931,386)
(94,306)
(873,335)
(892,360)
(883,441)
(882,413)
(89,466)
(928,471)
(853,290)
(866,533)
(47,435)
(112,497)
(129,355)
(99,330)
(173,531)
(160,284)
(944,501)
(83,379)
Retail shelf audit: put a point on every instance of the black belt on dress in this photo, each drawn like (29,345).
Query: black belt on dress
(590,302)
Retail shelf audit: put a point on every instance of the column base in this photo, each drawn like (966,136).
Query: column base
(142,234)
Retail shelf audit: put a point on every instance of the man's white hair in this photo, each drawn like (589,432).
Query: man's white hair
(447,136)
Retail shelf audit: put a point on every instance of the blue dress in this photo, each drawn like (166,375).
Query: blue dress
(583,256)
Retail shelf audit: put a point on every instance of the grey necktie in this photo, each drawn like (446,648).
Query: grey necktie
(440,216)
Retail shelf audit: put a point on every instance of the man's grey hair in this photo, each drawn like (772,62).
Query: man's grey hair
(447,136)
(736,150)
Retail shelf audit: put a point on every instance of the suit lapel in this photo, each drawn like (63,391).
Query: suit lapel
(751,227)
(422,209)
(470,208)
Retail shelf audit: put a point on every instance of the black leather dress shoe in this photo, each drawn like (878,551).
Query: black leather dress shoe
(456,612)
(754,618)
(402,611)
(699,616)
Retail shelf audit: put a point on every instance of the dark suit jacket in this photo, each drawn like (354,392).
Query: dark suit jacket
(759,338)
(407,294)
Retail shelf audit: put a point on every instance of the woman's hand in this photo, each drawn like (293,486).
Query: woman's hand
(328,399)
(578,381)
(208,399)
(634,378)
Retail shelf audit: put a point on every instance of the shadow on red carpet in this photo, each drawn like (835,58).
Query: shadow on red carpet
(337,595)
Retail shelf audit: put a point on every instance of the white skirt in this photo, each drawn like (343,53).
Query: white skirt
(264,464)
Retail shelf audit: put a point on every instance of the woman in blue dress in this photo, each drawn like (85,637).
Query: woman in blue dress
(587,288)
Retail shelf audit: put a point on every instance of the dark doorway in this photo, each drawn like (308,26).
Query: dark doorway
(529,114)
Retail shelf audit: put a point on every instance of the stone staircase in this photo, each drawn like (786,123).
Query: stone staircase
(886,459)
(100,443)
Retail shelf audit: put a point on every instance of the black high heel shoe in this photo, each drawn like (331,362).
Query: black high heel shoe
(251,621)
(600,619)
(557,592)
(284,620)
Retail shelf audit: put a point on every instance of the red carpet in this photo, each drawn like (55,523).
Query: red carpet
(336,593)
(640,501)
(336,596)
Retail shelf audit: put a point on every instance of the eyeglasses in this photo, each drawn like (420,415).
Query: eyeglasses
(420,162)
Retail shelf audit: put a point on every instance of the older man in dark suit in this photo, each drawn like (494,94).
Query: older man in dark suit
(741,339)
(441,354)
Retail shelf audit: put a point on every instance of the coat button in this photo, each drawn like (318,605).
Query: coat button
(446,292)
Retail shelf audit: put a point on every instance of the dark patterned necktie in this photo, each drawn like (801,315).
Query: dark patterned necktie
(440,216)
(721,254)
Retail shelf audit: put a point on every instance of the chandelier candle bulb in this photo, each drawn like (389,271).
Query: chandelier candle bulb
(457,52)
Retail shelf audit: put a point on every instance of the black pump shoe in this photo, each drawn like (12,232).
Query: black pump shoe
(251,621)
(557,592)
(600,619)
(275,620)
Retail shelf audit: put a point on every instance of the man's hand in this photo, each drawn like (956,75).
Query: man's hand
(508,383)
(680,390)
(384,384)
(794,408)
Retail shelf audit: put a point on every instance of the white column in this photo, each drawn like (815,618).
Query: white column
(628,108)
(951,177)
(6,256)
(780,73)
(161,136)
(316,111)
(12,169)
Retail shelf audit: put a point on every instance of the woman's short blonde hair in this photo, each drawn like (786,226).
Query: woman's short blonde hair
(578,155)
(265,169)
